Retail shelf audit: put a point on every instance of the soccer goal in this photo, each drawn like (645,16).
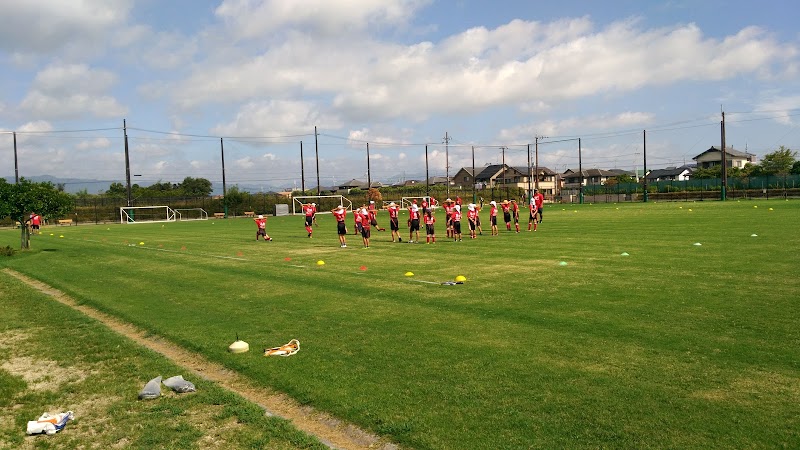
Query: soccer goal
(325,203)
(145,214)
(406,202)
(191,214)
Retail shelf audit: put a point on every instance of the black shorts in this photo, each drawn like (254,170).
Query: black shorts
(478,221)
(532,216)
(472,226)
(365,232)
(414,225)
(374,222)
(394,225)
(457,227)
(429,229)
(341,228)
(494,221)
(35,227)
(309,220)
(261,232)
(507,217)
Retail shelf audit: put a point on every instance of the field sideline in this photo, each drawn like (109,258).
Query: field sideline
(609,327)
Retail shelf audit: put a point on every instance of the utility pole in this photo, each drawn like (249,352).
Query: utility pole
(580,170)
(224,186)
(474,196)
(447,161)
(644,170)
(503,162)
(369,174)
(427,176)
(302,170)
(16,165)
(316,149)
(537,159)
(724,169)
(127,163)
(530,172)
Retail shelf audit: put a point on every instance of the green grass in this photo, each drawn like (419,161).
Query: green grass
(54,359)
(675,345)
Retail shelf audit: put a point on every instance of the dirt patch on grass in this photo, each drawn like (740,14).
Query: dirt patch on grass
(41,374)
(331,431)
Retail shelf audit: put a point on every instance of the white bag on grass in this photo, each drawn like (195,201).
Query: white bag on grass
(179,385)
(151,390)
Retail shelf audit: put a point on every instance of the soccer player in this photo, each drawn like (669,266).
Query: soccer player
(413,222)
(309,209)
(539,203)
(506,205)
(394,224)
(448,217)
(365,226)
(261,223)
(339,213)
(456,220)
(373,216)
(430,234)
(515,213)
(493,217)
(472,217)
(357,219)
(532,220)
(36,221)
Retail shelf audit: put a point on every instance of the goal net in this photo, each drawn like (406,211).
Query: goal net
(324,203)
(145,214)
(191,214)
(406,202)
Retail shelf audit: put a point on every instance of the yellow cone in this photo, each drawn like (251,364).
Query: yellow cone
(320,263)
(141,243)
(461,278)
(409,274)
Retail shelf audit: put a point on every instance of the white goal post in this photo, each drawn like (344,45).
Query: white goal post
(146,214)
(406,202)
(325,203)
(191,214)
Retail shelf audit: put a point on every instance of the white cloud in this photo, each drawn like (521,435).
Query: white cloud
(253,19)
(98,143)
(69,90)
(277,118)
(621,121)
(781,108)
(48,26)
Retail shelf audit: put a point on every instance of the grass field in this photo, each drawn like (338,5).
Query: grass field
(555,340)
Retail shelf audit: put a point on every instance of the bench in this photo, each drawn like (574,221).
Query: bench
(249,213)
(219,215)
(67,222)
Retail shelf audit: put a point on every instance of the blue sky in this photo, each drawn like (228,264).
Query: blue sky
(397,74)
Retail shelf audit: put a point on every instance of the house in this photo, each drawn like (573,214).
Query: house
(347,186)
(440,181)
(464,178)
(713,157)
(496,175)
(573,178)
(682,173)
(549,180)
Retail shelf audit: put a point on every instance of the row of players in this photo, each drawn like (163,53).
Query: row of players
(365,217)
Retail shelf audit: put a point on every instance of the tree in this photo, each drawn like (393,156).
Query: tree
(19,200)
(196,187)
(117,190)
(234,198)
(778,162)
(709,172)
(795,168)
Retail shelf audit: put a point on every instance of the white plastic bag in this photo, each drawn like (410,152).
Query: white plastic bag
(179,385)
(151,390)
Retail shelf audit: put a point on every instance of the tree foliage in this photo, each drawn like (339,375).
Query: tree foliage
(190,187)
(780,161)
(18,201)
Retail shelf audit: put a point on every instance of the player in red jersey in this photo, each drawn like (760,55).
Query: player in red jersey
(515,213)
(506,205)
(532,219)
(339,213)
(373,216)
(472,217)
(430,233)
(394,224)
(309,209)
(493,217)
(261,223)
(539,203)
(456,220)
(365,226)
(448,217)
(357,220)
(413,222)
